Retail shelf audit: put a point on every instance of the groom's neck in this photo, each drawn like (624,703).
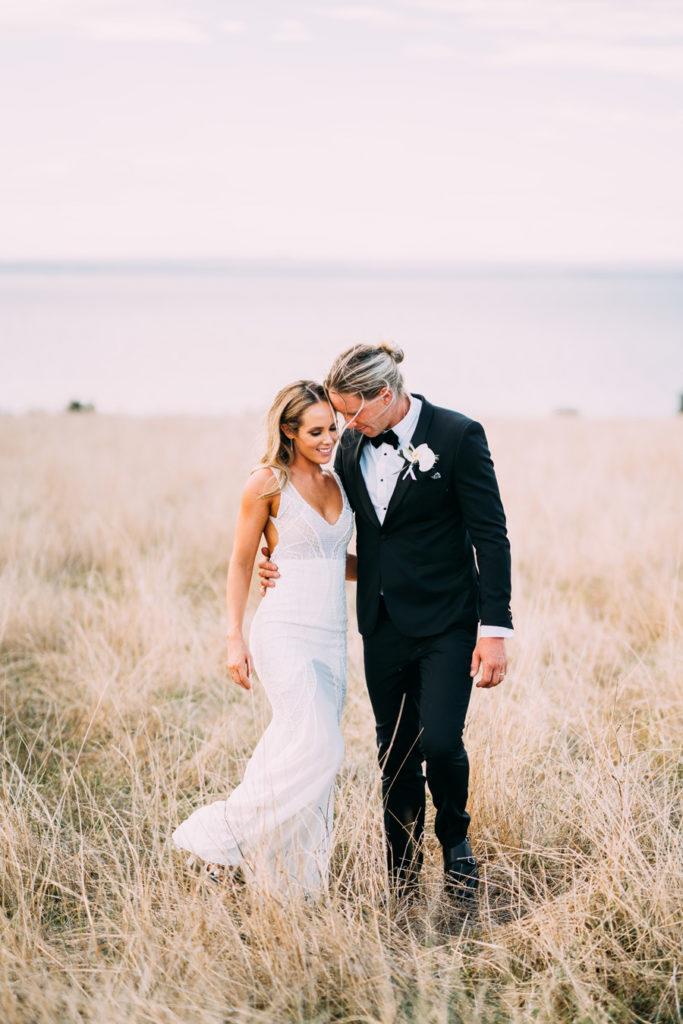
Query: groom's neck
(399,411)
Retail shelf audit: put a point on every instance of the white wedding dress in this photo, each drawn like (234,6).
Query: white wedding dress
(277,824)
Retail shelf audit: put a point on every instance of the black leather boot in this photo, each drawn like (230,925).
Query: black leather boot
(461,873)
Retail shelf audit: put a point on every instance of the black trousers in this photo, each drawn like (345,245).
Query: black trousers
(420,690)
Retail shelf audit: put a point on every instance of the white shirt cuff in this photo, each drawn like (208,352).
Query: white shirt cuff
(496,631)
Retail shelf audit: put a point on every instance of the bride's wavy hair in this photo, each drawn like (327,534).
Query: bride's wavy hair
(365,370)
(287,409)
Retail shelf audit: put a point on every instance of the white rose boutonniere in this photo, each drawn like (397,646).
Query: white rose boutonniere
(423,457)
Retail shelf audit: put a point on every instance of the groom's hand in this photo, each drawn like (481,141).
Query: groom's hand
(489,656)
(267,571)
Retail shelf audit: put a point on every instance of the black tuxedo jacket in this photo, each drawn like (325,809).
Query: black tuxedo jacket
(421,556)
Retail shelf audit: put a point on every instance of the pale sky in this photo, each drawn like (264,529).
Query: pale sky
(412,130)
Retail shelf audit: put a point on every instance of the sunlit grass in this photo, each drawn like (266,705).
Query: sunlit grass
(119,719)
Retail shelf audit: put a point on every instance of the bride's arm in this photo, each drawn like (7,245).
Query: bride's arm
(251,522)
(351,567)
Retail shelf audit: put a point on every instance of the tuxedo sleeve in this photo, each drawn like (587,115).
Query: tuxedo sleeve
(499,631)
(477,492)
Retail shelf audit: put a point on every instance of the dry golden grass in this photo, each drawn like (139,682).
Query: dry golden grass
(119,718)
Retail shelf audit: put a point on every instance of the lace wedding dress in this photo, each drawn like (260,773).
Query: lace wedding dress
(277,824)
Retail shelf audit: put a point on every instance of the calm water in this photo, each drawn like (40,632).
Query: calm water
(211,341)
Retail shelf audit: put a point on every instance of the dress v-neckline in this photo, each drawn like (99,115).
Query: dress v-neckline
(321,516)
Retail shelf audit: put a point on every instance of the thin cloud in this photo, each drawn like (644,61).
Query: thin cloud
(291,31)
(122,20)
(365,13)
(232,27)
(373,16)
(145,29)
(641,39)
(660,62)
(431,51)
(598,19)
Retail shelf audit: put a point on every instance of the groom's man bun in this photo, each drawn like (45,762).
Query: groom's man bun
(392,350)
(366,370)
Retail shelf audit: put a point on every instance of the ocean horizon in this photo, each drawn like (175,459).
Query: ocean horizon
(213,337)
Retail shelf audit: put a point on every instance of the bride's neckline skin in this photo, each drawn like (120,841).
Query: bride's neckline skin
(317,511)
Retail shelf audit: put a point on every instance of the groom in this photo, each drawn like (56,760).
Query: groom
(422,485)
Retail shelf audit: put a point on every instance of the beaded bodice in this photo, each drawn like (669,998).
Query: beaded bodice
(304,533)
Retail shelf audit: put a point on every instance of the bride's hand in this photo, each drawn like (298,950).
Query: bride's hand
(240,664)
(267,571)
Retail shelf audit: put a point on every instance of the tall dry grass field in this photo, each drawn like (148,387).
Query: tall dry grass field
(119,718)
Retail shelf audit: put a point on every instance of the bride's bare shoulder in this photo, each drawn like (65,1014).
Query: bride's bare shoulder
(263,485)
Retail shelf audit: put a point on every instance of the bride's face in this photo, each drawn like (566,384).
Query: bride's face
(317,433)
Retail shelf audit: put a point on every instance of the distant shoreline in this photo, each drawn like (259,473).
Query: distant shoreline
(337,268)
(258,413)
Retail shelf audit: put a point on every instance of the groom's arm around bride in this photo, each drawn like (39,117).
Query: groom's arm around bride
(476,508)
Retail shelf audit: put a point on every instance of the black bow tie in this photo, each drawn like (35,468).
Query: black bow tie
(386,437)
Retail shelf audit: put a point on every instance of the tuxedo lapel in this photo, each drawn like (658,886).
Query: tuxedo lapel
(359,481)
(402,485)
(405,481)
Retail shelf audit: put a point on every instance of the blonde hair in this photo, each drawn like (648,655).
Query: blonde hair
(365,370)
(287,409)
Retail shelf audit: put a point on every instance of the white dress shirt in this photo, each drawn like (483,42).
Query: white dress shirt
(380,468)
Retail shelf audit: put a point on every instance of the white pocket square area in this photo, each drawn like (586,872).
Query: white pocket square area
(436,476)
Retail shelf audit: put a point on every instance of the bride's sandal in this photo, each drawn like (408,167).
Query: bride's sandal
(214,872)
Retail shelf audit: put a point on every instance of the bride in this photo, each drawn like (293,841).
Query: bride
(277,824)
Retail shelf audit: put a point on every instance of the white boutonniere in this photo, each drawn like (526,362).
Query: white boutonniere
(423,457)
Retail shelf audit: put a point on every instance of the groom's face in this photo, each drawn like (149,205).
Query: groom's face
(369,416)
